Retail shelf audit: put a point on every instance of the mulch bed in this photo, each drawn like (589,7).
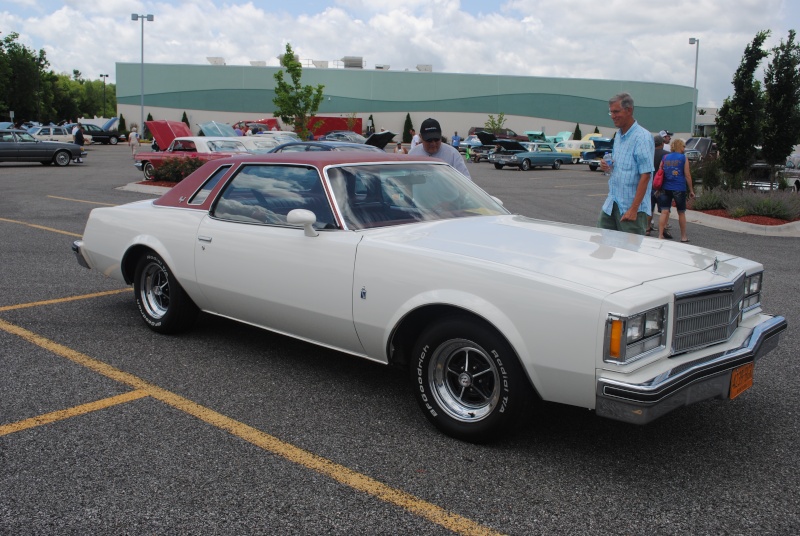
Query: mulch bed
(158,183)
(758,220)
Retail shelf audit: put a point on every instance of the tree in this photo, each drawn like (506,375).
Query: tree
(407,126)
(596,130)
(782,103)
(577,134)
(351,120)
(495,124)
(123,127)
(739,118)
(185,119)
(295,104)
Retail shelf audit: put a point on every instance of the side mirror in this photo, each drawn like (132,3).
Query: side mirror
(306,218)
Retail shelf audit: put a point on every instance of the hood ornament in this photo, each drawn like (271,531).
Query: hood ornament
(715,266)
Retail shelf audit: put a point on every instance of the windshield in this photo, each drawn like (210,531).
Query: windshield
(377,195)
(231,146)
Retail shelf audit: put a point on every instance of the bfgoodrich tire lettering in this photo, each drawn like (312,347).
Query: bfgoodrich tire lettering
(467,379)
(161,300)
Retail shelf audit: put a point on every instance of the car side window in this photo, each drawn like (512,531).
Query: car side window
(202,194)
(262,193)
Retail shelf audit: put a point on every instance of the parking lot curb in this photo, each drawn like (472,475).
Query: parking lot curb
(726,224)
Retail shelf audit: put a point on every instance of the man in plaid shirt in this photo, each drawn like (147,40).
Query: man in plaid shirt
(628,203)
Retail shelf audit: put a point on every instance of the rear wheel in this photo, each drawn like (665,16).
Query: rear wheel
(161,300)
(557,164)
(593,167)
(148,171)
(113,140)
(526,165)
(576,160)
(62,158)
(498,166)
(467,379)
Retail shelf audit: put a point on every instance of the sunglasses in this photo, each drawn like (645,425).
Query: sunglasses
(433,140)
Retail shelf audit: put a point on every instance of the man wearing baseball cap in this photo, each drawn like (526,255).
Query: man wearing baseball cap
(667,136)
(431,134)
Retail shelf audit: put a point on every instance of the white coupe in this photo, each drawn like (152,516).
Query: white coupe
(402,260)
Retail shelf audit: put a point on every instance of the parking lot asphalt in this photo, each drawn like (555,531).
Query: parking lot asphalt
(109,428)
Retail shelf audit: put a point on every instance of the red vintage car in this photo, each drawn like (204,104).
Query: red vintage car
(180,142)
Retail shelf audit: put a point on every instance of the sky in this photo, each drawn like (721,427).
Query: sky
(614,39)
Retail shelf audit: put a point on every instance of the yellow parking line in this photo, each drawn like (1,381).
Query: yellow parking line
(42,227)
(82,201)
(64,300)
(340,473)
(63,414)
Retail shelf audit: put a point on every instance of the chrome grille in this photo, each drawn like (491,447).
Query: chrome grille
(707,316)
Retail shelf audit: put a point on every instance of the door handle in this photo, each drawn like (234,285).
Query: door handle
(204,238)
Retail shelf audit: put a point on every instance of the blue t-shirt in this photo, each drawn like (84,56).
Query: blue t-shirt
(674,176)
(456,140)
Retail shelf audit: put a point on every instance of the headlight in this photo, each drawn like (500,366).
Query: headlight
(630,337)
(752,291)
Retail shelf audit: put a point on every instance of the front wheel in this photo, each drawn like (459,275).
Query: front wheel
(593,167)
(557,164)
(576,160)
(62,158)
(526,165)
(498,166)
(149,170)
(467,379)
(161,300)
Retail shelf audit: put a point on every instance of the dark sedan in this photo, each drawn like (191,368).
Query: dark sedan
(301,146)
(19,146)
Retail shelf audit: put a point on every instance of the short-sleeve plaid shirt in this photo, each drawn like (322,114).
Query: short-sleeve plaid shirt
(633,155)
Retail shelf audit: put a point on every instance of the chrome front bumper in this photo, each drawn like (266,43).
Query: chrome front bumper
(709,377)
(138,165)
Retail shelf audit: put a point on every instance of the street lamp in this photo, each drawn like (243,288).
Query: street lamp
(104,76)
(149,18)
(695,41)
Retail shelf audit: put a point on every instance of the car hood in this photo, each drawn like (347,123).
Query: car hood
(109,125)
(380,139)
(212,128)
(606,261)
(166,131)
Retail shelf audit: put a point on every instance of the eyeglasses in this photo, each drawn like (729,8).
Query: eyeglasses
(433,140)
(615,112)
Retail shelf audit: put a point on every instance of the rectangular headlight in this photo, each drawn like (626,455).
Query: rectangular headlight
(630,337)
(752,291)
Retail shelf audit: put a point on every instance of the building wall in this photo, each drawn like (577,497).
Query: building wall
(458,101)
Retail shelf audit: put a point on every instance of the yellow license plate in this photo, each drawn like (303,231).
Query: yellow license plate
(741,380)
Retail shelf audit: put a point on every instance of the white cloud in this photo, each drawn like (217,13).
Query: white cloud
(624,39)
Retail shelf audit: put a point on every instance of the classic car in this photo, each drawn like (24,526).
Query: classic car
(470,141)
(501,134)
(523,155)
(791,172)
(19,146)
(574,148)
(376,139)
(324,145)
(51,133)
(204,148)
(594,156)
(401,260)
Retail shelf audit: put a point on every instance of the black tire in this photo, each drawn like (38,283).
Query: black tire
(593,167)
(526,165)
(148,170)
(557,164)
(161,300)
(467,379)
(498,166)
(113,140)
(62,158)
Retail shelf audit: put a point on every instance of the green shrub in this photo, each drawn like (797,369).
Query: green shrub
(708,173)
(781,205)
(176,169)
(708,200)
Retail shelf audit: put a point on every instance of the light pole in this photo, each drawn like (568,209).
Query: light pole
(695,41)
(104,76)
(149,18)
